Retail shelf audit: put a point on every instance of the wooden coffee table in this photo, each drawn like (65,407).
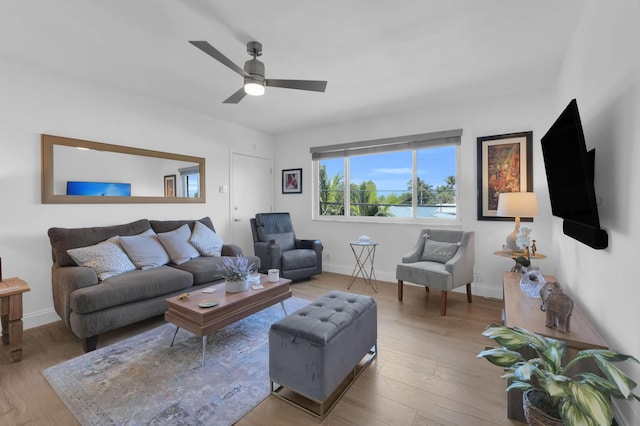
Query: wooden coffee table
(231,307)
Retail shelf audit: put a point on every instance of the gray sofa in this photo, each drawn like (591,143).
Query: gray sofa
(90,306)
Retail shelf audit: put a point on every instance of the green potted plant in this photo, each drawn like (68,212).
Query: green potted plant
(236,273)
(580,399)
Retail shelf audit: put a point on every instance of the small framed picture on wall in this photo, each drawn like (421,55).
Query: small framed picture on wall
(292,181)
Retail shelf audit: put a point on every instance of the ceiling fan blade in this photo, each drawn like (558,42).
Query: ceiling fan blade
(312,85)
(216,54)
(236,97)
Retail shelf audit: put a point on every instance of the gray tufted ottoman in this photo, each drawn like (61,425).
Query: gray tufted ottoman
(315,350)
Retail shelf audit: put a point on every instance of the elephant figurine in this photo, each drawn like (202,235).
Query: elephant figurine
(558,306)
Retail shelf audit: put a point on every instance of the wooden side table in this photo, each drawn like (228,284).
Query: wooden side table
(11,291)
(514,256)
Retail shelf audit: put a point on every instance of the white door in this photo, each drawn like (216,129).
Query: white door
(251,192)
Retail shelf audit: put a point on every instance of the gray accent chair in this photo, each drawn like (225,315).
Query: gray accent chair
(446,263)
(275,243)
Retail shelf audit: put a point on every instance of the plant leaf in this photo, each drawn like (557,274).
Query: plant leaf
(589,401)
(552,354)
(609,355)
(501,357)
(616,376)
(600,383)
(525,369)
(505,336)
(571,415)
(604,359)
(555,385)
(523,386)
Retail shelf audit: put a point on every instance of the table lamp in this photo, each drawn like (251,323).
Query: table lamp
(517,204)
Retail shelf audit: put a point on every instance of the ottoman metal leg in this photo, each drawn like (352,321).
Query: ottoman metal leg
(320,409)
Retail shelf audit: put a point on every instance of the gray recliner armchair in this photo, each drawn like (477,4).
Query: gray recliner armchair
(275,243)
(441,259)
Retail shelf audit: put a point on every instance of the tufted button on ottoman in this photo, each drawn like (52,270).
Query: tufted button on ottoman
(318,351)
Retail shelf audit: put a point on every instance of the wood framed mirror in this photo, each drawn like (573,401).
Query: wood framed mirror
(76,171)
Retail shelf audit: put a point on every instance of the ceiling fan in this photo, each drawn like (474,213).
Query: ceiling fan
(253,73)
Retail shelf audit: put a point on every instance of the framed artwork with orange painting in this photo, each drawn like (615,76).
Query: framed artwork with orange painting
(504,165)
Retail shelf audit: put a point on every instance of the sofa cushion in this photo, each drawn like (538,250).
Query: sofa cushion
(145,250)
(106,258)
(278,227)
(130,287)
(438,251)
(434,273)
(203,269)
(63,239)
(205,240)
(286,240)
(170,225)
(298,259)
(177,244)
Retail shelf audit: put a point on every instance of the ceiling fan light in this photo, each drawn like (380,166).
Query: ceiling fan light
(254,88)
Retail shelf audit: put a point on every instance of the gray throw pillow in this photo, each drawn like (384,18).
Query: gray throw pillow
(145,250)
(106,258)
(438,251)
(205,240)
(177,244)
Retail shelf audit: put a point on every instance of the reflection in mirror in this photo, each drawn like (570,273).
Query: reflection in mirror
(77,171)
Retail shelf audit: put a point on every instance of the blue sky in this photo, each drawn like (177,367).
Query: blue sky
(392,170)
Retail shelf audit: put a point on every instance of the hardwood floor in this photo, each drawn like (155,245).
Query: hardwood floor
(426,371)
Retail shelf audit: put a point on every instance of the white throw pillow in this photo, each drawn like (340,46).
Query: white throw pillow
(206,241)
(106,258)
(438,251)
(145,250)
(178,246)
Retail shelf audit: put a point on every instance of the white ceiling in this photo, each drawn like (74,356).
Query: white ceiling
(378,56)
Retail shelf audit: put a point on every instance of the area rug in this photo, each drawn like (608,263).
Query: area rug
(142,380)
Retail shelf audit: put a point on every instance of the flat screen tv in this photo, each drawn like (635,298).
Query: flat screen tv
(99,189)
(570,173)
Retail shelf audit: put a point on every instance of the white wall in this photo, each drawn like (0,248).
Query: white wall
(602,71)
(483,117)
(39,101)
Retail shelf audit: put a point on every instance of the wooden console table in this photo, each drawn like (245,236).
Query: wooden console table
(524,312)
(11,291)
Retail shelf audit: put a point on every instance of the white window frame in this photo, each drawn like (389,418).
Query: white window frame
(401,143)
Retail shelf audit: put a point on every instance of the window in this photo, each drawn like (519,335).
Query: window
(404,178)
(189,178)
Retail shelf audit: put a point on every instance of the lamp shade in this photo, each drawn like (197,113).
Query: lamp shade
(517,204)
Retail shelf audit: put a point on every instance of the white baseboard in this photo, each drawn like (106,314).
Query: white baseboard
(46,316)
(36,319)
(484,289)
